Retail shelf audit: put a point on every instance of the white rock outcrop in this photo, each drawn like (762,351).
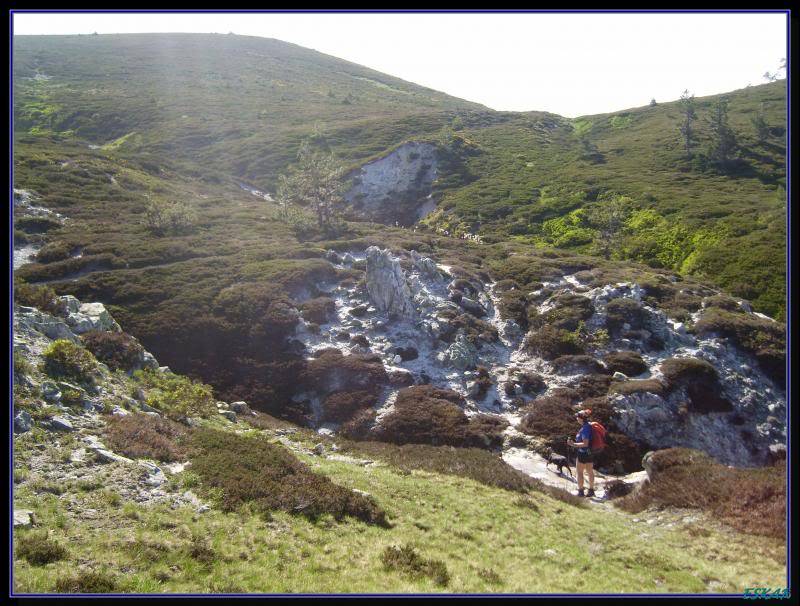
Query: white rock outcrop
(387,285)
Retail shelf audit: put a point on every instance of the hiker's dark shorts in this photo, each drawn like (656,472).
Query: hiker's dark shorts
(587,457)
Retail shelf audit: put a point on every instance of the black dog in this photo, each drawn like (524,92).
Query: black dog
(559,461)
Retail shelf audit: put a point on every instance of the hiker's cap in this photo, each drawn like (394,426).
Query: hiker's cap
(583,414)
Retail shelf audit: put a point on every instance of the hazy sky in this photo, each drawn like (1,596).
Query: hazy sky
(570,64)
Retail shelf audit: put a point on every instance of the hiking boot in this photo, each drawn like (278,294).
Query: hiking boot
(580,493)
(590,493)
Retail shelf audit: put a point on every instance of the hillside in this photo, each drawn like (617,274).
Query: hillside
(116,490)
(447,328)
(218,106)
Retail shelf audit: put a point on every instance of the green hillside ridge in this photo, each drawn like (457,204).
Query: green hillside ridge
(217,107)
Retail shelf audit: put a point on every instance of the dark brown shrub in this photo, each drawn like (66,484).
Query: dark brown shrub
(88,581)
(552,418)
(54,251)
(550,342)
(624,311)
(331,371)
(628,363)
(319,310)
(406,560)
(578,364)
(342,405)
(38,549)
(425,414)
(750,500)
(253,470)
(40,296)
(700,380)
(626,388)
(570,309)
(145,436)
(359,426)
(119,350)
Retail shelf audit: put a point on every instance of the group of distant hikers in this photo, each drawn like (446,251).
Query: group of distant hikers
(589,441)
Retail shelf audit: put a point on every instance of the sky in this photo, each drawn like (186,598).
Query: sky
(569,64)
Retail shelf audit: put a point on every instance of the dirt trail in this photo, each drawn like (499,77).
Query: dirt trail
(536,466)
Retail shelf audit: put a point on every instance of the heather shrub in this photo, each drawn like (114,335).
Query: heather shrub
(331,371)
(625,311)
(40,296)
(425,414)
(88,581)
(54,251)
(177,396)
(700,380)
(750,500)
(63,358)
(145,436)
(342,405)
(319,310)
(270,478)
(405,559)
(39,549)
(626,388)
(119,350)
(628,363)
(550,342)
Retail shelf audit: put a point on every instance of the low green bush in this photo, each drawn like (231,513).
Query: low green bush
(177,396)
(40,296)
(63,358)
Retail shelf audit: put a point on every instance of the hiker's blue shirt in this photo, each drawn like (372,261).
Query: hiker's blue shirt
(585,434)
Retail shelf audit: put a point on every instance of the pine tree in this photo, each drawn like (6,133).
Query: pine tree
(689,115)
(316,182)
(760,124)
(723,139)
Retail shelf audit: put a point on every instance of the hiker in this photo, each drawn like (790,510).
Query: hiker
(583,441)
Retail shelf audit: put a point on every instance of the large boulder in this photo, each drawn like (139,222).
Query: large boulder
(22,422)
(387,285)
(91,316)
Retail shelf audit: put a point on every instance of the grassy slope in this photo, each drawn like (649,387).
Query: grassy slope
(534,168)
(218,107)
(469,526)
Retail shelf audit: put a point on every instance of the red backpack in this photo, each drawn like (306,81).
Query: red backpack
(598,442)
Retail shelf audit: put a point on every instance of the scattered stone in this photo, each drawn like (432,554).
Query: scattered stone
(228,414)
(22,422)
(241,408)
(319,449)
(23,518)
(618,376)
(61,424)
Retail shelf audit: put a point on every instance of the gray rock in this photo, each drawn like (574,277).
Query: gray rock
(119,412)
(61,424)
(23,518)
(319,449)
(106,456)
(228,414)
(241,408)
(144,407)
(461,355)
(22,422)
(50,391)
(92,316)
(425,265)
(348,259)
(387,285)
(618,376)
(148,361)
